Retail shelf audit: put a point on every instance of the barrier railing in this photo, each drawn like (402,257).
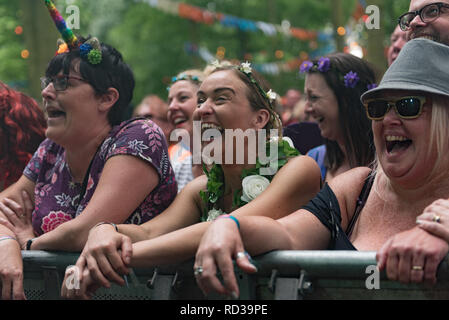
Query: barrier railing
(281,275)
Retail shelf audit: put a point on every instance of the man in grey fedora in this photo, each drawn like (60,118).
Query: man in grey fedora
(427,19)
(424,66)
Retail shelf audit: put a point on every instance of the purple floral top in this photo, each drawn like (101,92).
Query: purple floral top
(57,196)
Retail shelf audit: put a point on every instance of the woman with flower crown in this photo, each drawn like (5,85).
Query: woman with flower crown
(232,99)
(398,208)
(333,87)
(181,105)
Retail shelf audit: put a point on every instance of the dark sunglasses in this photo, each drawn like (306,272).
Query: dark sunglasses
(60,83)
(405,107)
(427,14)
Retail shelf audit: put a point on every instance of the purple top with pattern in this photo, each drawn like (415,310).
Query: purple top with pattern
(57,196)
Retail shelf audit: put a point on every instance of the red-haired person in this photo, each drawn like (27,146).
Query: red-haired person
(22,129)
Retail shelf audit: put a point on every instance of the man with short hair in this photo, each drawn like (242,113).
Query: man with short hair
(154,108)
(397,41)
(427,19)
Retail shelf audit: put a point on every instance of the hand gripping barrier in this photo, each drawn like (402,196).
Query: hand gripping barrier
(282,275)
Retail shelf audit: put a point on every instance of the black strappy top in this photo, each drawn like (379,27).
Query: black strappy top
(326,208)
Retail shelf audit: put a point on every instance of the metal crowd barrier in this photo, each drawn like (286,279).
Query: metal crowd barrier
(282,275)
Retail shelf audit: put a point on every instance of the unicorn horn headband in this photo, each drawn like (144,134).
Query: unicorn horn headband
(90,50)
(67,34)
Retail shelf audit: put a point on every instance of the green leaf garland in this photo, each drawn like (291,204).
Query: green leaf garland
(215,178)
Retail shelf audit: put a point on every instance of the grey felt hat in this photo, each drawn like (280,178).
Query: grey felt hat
(422,65)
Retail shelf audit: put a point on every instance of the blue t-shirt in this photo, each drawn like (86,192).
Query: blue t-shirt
(318,155)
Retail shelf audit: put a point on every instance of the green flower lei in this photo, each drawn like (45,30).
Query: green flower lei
(215,178)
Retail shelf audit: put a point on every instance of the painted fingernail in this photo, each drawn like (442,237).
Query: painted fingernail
(234,295)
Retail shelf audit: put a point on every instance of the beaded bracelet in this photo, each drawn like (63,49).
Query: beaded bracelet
(105,222)
(230,217)
(7,238)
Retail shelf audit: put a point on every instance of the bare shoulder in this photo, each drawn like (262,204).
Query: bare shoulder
(350,181)
(347,187)
(301,165)
(300,178)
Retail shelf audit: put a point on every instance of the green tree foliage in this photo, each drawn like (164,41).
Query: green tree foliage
(158,45)
(12,66)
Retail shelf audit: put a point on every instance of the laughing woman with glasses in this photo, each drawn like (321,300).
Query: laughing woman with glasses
(365,209)
(75,179)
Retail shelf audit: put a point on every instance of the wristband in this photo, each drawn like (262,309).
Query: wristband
(105,222)
(230,217)
(29,243)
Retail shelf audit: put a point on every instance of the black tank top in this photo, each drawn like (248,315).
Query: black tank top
(326,208)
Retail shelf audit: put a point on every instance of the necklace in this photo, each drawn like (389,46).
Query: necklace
(254,180)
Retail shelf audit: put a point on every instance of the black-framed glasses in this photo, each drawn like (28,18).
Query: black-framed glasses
(427,14)
(60,83)
(405,107)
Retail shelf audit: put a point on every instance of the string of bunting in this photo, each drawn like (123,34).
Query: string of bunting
(200,15)
(273,68)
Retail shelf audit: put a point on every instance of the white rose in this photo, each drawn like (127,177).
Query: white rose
(290,142)
(214,214)
(253,186)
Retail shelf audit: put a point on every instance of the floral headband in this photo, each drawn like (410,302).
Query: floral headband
(270,96)
(90,50)
(323,65)
(184,76)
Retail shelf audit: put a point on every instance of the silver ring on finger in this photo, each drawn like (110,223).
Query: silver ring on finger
(240,255)
(417,268)
(436,218)
(198,271)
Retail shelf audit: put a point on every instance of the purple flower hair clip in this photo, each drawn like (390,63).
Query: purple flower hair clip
(324,64)
(306,66)
(351,79)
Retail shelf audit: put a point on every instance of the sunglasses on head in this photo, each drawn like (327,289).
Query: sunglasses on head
(405,107)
